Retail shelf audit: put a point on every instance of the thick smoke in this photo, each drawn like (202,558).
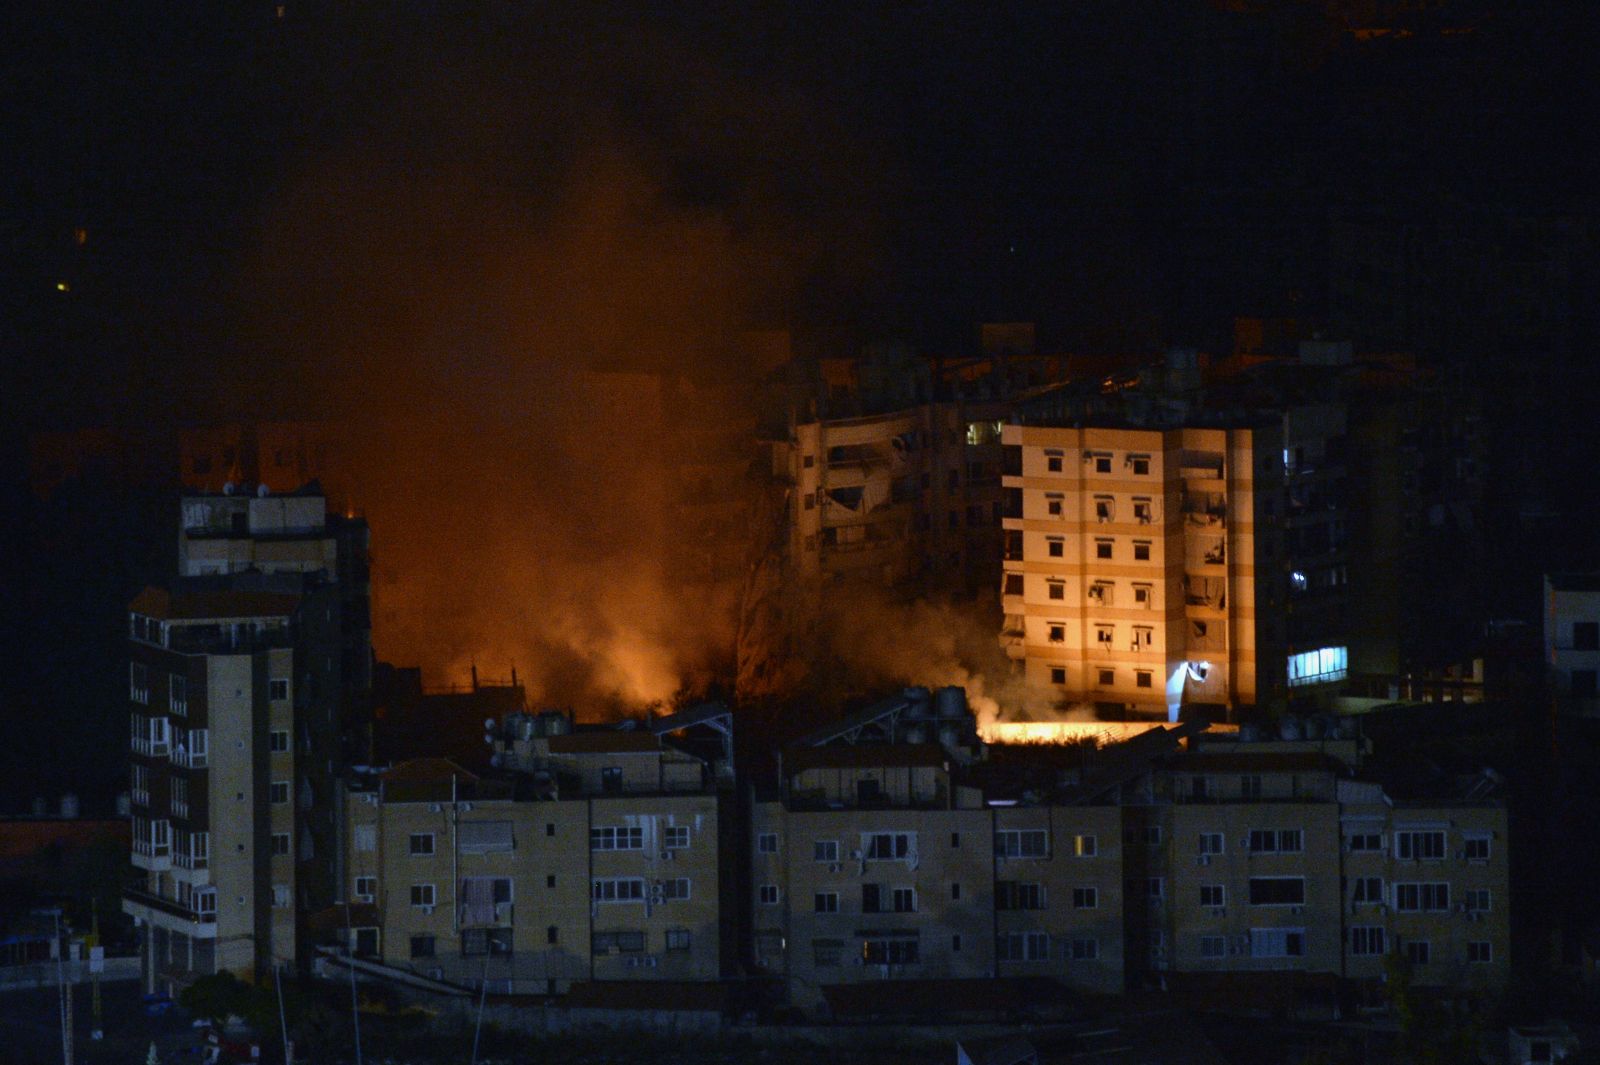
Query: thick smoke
(500,290)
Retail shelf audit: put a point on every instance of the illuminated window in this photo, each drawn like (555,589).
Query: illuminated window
(1318,667)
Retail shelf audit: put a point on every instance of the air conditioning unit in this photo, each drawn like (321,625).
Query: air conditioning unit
(466,807)
(427,911)
(835,868)
(857,854)
(651,962)
(434,807)
(1204,859)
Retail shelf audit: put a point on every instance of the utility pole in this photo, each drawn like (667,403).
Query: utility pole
(64,989)
(96,963)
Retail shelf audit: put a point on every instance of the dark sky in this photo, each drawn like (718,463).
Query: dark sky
(912,169)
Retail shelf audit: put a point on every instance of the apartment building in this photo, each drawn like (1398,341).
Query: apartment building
(1141,569)
(249,686)
(1572,640)
(592,855)
(880,859)
(214,781)
(1287,856)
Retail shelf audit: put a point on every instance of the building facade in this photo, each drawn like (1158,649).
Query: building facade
(1141,566)
(596,856)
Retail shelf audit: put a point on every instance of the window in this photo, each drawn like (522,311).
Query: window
(1108,678)
(1100,592)
(366,888)
(1085,898)
(616,942)
(675,837)
(476,942)
(1427,846)
(1102,549)
(282,897)
(178,694)
(678,939)
(617,838)
(825,850)
(1144,637)
(278,741)
(955,892)
(278,690)
(1013,584)
(825,902)
(886,846)
(1214,896)
(618,889)
(1056,632)
(1316,667)
(955,839)
(1152,888)
(1422,898)
(1140,464)
(1585,683)
(1279,841)
(1141,678)
(1213,947)
(1022,843)
(767,843)
(1058,675)
(1480,952)
(1477,900)
(1084,949)
(1210,843)
(808,461)
(280,844)
(1277,891)
(1477,849)
(768,893)
(1023,946)
(1052,462)
(1586,636)
(1141,551)
(1365,842)
(955,943)
(1366,942)
(1012,895)
(611,779)
(1142,594)
(421,844)
(897,951)
(422,895)
(1367,889)
(366,838)
(139,682)
(552,933)
(904,900)
(1418,951)
(1053,505)
(871,898)
(1277,942)
(424,946)
(1104,634)
(1102,464)
(1142,512)
(550,880)
(673,889)
(1104,508)
(1250,786)
(1083,846)
(1056,547)
(278,792)
(1056,589)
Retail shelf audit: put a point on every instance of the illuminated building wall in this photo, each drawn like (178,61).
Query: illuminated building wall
(1143,566)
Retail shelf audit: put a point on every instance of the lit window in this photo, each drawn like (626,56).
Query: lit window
(1317,667)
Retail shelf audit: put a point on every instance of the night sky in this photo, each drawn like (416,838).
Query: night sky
(263,198)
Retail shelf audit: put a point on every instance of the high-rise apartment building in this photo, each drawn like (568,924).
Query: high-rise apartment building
(248,688)
(1141,566)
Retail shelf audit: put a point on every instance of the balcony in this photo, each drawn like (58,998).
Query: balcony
(498,915)
(170,913)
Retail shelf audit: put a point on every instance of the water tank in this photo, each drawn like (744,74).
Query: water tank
(69,805)
(1290,729)
(917,702)
(124,805)
(951,701)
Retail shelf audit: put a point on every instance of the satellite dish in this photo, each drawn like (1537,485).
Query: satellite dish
(488,723)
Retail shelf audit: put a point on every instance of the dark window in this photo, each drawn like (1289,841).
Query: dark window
(1058,548)
(422,946)
(550,934)
(1058,675)
(1053,463)
(1584,684)
(1277,891)
(871,898)
(1108,676)
(1057,590)
(1141,552)
(1102,549)
(549,829)
(1013,584)
(1142,679)
(550,880)
(367,941)
(611,779)
(1586,636)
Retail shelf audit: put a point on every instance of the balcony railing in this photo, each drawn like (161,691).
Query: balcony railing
(141,897)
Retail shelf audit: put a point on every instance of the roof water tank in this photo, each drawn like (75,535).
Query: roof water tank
(951,701)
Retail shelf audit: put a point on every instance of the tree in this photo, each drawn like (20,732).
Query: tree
(216,998)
